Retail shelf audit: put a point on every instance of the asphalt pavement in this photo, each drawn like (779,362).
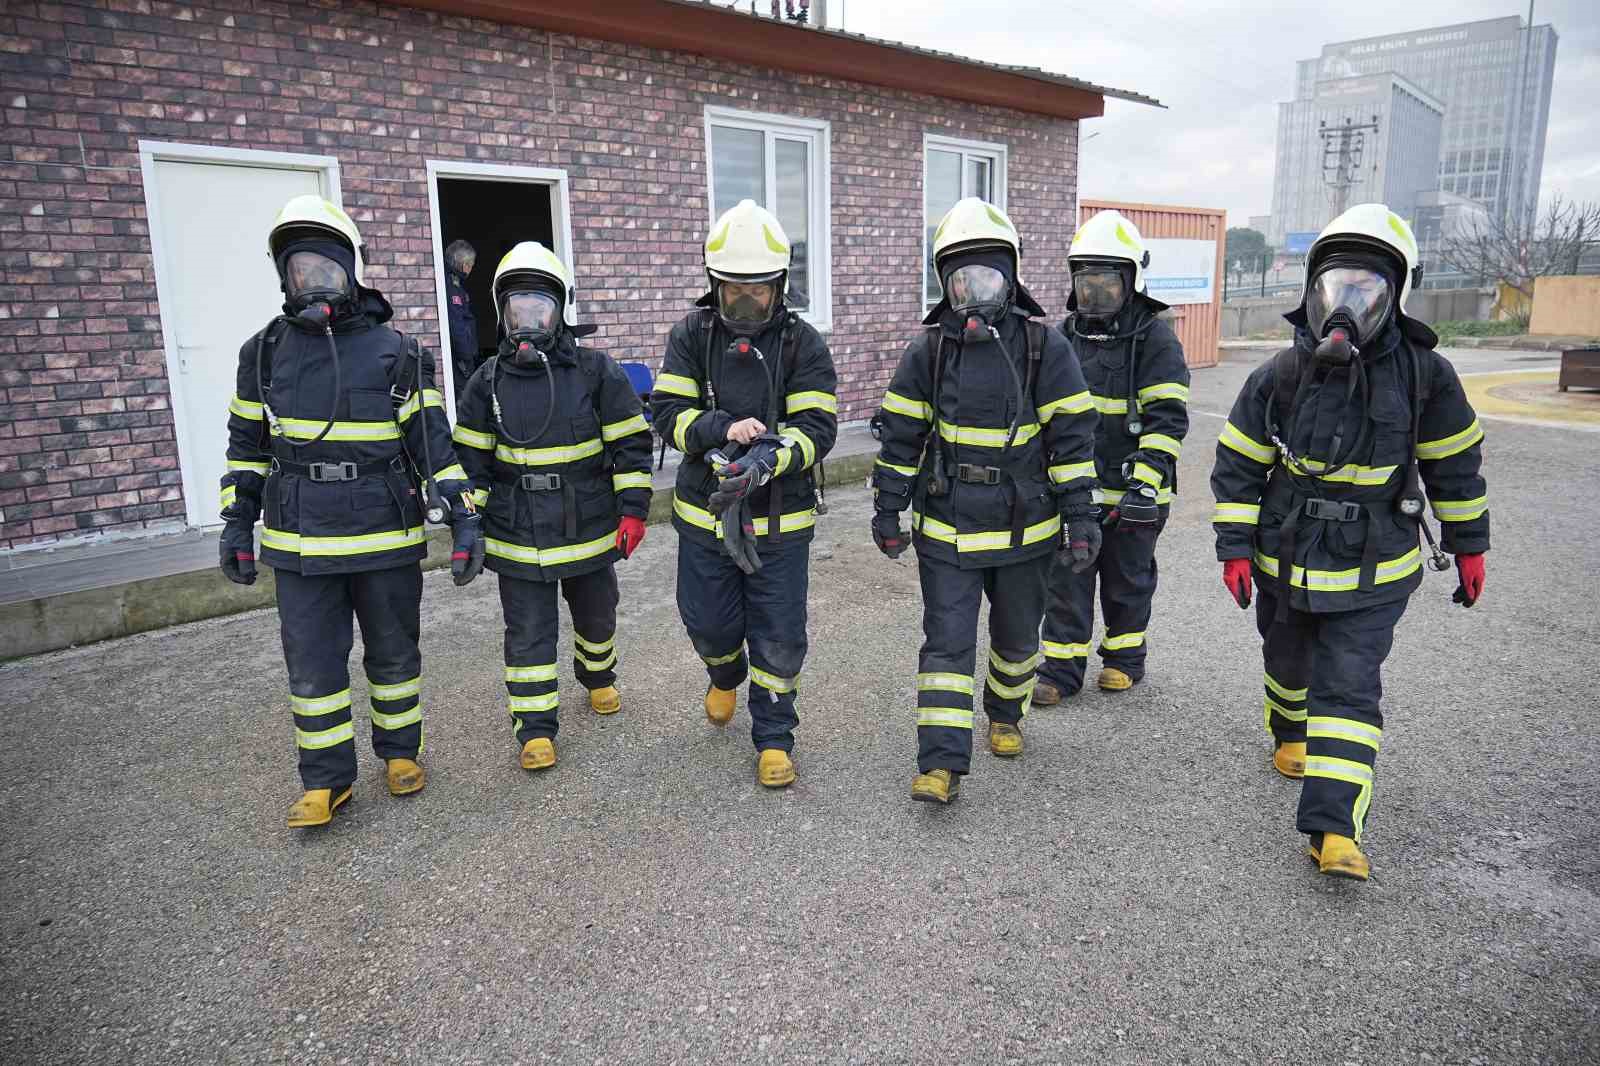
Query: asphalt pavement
(1130,891)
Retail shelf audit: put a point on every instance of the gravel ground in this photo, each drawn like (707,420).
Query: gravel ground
(1131,891)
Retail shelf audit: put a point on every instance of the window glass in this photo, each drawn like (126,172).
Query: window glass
(941,189)
(792,161)
(739,167)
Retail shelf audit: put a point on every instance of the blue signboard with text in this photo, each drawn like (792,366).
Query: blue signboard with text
(1298,243)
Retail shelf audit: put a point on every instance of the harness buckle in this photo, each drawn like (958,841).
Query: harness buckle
(396,396)
(324,472)
(540,482)
(973,474)
(1333,510)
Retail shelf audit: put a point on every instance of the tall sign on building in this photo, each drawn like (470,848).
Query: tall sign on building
(1491,81)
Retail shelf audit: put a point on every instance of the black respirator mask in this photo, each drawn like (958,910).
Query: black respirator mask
(531,319)
(978,287)
(318,279)
(1349,301)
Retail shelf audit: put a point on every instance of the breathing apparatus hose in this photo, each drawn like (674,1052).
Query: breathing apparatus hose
(1016,379)
(494,402)
(338,380)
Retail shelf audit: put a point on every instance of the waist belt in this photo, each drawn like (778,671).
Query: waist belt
(1327,511)
(333,472)
(551,483)
(978,475)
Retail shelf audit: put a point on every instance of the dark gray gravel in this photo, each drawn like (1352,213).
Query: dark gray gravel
(1131,891)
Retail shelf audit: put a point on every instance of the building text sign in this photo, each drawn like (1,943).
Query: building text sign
(1181,271)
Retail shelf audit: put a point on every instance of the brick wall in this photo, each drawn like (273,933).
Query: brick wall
(86,437)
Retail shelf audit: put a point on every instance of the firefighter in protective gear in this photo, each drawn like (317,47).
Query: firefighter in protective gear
(334,419)
(459,260)
(1319,508)
(988,439)
(555,441)
(746,392)
(1139,381)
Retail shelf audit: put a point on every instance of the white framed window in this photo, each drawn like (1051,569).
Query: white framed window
(953,169)
(782,164)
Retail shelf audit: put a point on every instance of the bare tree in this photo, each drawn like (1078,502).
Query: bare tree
(1522,245)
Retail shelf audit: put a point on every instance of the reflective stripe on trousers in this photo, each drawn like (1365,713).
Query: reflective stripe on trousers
(533,626)
(1125,575)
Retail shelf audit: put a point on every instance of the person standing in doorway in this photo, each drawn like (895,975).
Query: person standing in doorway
(459,259)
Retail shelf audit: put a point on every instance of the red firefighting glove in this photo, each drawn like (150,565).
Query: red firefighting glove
(630,534)
(1236,579)
(1470,568)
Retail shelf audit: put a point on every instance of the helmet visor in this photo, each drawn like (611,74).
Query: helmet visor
(746,303)
(530,312)
(1363,295)
(975,285)
(308,273)
(1099,290)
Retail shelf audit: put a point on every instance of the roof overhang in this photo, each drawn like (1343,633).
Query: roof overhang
(707,29)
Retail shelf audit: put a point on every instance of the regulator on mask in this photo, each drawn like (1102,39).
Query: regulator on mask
(1347,304)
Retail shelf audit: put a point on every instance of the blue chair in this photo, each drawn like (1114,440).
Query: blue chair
(643,382)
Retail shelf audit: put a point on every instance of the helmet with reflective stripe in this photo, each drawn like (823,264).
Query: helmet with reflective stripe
(1373,227)
(529,260)
(1110,235)
(972,224)
(311,214)
(747,244)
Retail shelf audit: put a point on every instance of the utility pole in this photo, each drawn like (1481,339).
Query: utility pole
(1343,148)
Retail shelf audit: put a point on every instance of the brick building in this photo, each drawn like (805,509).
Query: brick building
(148,145)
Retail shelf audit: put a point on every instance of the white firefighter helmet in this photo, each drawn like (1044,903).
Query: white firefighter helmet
(1373,226)
(311,212)
(747,244)
(1111,235)
(974,223)
(528,260)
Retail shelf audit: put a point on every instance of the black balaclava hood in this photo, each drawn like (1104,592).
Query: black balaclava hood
(338,252)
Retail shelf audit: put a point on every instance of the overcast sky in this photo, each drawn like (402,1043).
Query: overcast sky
(1222,67)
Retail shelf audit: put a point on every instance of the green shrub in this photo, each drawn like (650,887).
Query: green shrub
(1511,327)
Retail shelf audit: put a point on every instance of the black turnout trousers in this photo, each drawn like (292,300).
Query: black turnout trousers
(533,623)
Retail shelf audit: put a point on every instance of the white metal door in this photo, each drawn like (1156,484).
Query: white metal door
(217,288)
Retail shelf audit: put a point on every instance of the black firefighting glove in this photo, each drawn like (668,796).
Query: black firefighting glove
(886,533)
(1081,543)
(1136,510)
(739,537)
(466,550)
(237,551)
(738,478)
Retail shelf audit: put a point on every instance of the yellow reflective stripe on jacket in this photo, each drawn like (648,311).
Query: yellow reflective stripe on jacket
(903,471)
(948,717)
(229,496)
(1164,494)
(701,518)
(479,497)
(680,427)
(811,400)
(678,385)
(246,466)
(1111,405)
(1344,580)
(540,704)
(1327,727)
(1148,474)
(245,409)
(627,427)
(398,720)
(1166,390)
(1348,475)
(429,398)
(1247,446)
(1015,669)
(296,544)
(1293,695)
(472,438)
(984,437)
(772,682)
(1456,443)
(997,540)
(315,740)
(904,405)
(453,472)
(798,435)
(1076,404)
(637,480)
(309,428)
(334,701)
(1246,514)
(1123,641)
(398,691)
(1062,473)
(569,453)
(940,682)
(1160,442)
(565,553)
(530,674)
(1460,510)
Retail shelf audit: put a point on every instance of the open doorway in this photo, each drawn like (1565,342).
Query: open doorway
(492,208)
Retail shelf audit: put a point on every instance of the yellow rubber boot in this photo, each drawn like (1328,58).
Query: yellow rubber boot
(316,807)
(1290,759)
(1114,680)
(936,786)
(720,704)
(775,770)
(1005,739)
(539,754)
(605,700)
(1339,856)
(405,777)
